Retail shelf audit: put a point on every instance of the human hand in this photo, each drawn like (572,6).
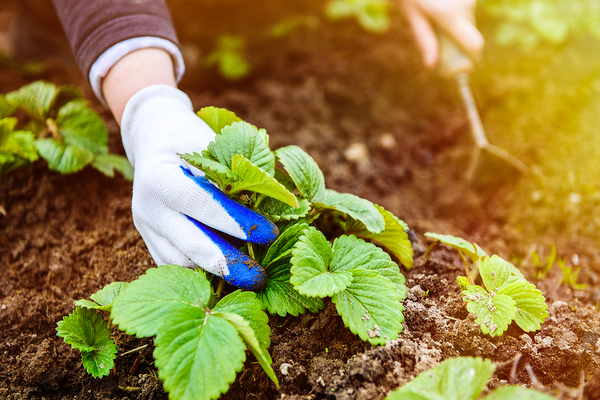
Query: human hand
(174,207)
(455,17)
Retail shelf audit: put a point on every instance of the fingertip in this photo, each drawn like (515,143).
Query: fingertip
(245,273)
(262,231)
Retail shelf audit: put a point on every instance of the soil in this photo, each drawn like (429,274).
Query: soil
(327,89)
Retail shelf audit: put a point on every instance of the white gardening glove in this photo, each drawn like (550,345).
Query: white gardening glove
(454,17)
(174,207)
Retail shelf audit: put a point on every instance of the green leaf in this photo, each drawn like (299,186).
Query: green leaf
(338,9)
(244,139)
(254,179)
(247,334)
(394,236)
(304,171)
(532,309)
(512,392)
(473,251)
(311,259)
(247,305)
(80,126)
(277,211)
(61,158)
(371,307)
(6,108)
(86,331)
(355,207)
(103,299)
(279,296)
(284,244)
(374,17)
(197,354)
(350,252)
(494,272)
(160,292)
(494,311)
(34,98)
(213,170)
(217,118)
(460,378)
(108,163)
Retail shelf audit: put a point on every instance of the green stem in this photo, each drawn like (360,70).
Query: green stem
(251,250)
(220,288)
(259,200)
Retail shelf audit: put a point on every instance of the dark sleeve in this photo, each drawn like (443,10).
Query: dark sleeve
(93,26)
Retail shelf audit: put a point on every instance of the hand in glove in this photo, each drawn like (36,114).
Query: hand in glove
(175,209)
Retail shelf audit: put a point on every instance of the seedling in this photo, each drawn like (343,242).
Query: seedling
(229,57)
(507,295)
(371,15)
(529,24)
(541,268)
(505,298)
(462,378)
(87,331)
(571,276)
(16,147)
(62,129)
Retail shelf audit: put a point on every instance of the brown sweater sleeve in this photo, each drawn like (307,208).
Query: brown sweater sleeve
(93,26)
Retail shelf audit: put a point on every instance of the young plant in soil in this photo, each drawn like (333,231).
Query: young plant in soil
(61,128)
(461,378)
(371,15)
(200,339)
(506,296)
(229,57)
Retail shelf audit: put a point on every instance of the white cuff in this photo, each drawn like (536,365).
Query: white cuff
(115,53)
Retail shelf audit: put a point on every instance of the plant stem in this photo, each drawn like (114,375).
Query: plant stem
(250,250)
(134,350)
(220,288)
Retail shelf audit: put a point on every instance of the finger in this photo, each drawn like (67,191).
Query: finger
(197,197)
(424,34)
(189,243)
(463,30)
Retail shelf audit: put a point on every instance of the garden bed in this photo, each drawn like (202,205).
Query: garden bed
(327,89)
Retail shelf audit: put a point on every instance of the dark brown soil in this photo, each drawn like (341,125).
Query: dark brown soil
(325,89)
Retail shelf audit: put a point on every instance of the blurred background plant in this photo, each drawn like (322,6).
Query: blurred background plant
(532,22)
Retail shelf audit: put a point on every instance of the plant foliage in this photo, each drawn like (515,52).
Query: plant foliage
(199,348)
(371,15)
(201,340)
(530,23)
(229,57)
(86,331)
(62,129)
(504,298)
(461,378)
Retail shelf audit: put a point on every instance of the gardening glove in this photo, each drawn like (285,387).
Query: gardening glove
(175,208)
(454,17)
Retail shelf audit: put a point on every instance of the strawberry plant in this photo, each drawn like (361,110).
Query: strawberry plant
(462,378)
(229,57)
(506,296)
(371,15)
(61,128)
(200,339)
(531,23)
